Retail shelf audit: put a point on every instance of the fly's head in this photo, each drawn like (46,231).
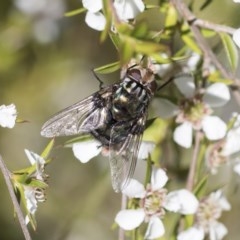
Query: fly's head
(144,75)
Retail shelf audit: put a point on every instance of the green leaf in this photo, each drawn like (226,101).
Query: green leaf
(75,12)
(191,43)
(201,187)
(109,68)
(140,30)
(171,17)
(187,38)
(208,33)
(36,183)
(230,49)
(148,48)
(126,50)
(48,149)
(19,120)
(115,39)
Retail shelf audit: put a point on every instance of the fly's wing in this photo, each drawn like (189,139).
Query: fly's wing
(81,117)
(123,156)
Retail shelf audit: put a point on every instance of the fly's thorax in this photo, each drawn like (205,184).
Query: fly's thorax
(130,100)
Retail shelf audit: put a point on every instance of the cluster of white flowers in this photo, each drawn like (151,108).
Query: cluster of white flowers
(125,10)
(8,115)
(153,201)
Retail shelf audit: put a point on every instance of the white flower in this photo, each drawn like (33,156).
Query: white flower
(153,202)
(236,1)
(94,18)
(194,111)
(32,193)
(125,9)
(37,160)
(236,37)
(206,224)
(128,9)
(86,150)
(8,115)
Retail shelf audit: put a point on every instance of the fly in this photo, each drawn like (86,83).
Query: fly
(115,116)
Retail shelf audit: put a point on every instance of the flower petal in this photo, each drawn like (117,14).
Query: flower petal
(236,37)
(183,135)
(193,61)
(96,20)
(8,115)
(31,201)
(217,95)
(134,189)
(214,127)
(145,149)
(92,5)
(219,198)
(186,85)
(217,231)
(34,158)
(84,151)
(128,9)
(191,233)
(155,228)
(232,145)
(130,219)
(164,108)
(159,179)
(181,201)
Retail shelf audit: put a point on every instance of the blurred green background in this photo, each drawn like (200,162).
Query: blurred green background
(45,65)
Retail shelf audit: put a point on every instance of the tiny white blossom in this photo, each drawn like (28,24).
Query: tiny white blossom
(8,115)
(194,111)
(206,219)
(125,9)
(153,202)
(236,1)
(227,149)
(128,9)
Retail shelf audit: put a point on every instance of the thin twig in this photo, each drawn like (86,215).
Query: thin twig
(121,234)
(213,26)
(17,208)
(192,170)
(194,23)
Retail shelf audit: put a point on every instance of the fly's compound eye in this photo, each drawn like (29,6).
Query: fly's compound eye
(134,74)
